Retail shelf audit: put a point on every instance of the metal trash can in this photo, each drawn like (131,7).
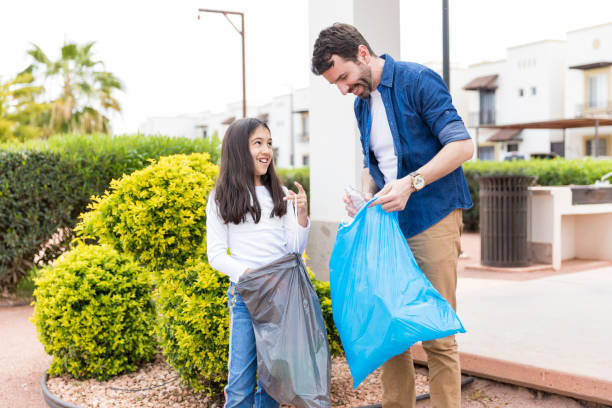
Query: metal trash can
(504,220)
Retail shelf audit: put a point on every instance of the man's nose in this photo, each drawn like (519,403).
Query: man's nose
(343,88)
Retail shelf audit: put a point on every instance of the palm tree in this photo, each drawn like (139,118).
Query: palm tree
(86,96)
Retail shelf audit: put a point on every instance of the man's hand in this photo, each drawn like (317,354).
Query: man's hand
(395,195)
(350,208)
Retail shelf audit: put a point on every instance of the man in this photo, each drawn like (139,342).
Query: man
(414,143)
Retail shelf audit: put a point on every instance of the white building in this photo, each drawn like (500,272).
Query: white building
(544,81)
(525,87)
(588,84)
(287,116)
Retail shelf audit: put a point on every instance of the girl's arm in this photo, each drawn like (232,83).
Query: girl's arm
(217,243)
(296,230)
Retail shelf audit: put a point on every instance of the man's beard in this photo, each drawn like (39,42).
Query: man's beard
(365,81)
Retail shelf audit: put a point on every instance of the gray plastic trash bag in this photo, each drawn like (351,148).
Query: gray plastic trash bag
(293,361)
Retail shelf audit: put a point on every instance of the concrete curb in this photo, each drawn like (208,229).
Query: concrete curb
(556,382)
(52,400)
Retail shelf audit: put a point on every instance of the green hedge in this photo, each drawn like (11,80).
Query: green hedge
(299,174)
(36,200)
(555,172)
(46,184)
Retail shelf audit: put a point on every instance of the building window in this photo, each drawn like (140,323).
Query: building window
(305,160)
(486,153)
(305,136)
(597,91)
(558,147)
(512,147)
(602,147)
(521,92)
(533,90)
(487,107)
(204,132)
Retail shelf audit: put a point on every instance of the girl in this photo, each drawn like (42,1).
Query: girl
(252,215)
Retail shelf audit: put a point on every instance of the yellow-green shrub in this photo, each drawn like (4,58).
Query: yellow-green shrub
(193,324)
(324,294)
(94,313)
(157,214)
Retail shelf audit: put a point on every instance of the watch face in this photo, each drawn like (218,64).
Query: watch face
(418,181)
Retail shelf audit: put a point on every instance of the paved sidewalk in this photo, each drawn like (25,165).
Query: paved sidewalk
(22,360)
(550,331)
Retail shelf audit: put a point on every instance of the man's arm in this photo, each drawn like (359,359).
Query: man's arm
(368,187)
(395,195)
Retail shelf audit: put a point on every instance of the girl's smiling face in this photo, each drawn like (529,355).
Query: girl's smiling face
(260,146)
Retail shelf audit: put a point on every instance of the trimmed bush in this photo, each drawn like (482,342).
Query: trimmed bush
(157,214)
(94,313)
(555,172)
(194,324)
(324,293)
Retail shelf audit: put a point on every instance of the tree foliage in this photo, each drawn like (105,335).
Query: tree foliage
(21,116)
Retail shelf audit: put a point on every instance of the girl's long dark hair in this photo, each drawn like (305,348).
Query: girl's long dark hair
(235,190)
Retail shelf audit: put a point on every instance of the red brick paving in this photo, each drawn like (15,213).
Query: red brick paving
(22,360)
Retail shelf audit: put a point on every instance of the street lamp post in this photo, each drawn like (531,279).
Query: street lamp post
(445,45)
(241,32)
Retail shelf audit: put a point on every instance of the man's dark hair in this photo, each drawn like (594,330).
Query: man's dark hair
(235,189)
(339,39)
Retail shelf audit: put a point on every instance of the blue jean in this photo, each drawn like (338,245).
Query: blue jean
(241,379)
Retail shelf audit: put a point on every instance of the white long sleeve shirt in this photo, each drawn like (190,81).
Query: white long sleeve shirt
(252,245)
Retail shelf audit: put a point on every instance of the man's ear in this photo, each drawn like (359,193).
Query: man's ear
(363,54)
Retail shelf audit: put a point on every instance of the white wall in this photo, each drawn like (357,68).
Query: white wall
(336,157)
(179,126)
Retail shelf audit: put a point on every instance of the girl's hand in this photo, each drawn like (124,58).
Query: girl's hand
(301,203)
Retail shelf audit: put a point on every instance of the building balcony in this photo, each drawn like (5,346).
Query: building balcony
(593,108)
(481,118)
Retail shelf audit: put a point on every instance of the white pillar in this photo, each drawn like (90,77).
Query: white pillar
(335,151)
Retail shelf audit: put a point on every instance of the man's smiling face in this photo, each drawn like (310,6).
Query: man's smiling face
(350,77)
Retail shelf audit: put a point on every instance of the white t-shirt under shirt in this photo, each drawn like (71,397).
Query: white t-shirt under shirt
(252,245)
(381,139)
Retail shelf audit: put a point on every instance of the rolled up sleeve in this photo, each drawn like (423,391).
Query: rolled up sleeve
(453,132)
(434,101)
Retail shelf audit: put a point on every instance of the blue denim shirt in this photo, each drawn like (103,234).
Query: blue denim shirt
(418,107)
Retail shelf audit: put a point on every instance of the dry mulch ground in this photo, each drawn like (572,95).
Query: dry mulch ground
(112,393)
(157,385)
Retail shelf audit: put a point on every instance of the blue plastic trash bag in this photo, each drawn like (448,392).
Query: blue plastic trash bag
(382,302)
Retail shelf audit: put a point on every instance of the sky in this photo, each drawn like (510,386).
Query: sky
(171,63)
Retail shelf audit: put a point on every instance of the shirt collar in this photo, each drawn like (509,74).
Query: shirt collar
(386,78)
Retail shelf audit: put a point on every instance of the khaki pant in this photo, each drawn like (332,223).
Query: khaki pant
(436,251)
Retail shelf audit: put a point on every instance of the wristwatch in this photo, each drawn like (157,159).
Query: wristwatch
(418,181)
